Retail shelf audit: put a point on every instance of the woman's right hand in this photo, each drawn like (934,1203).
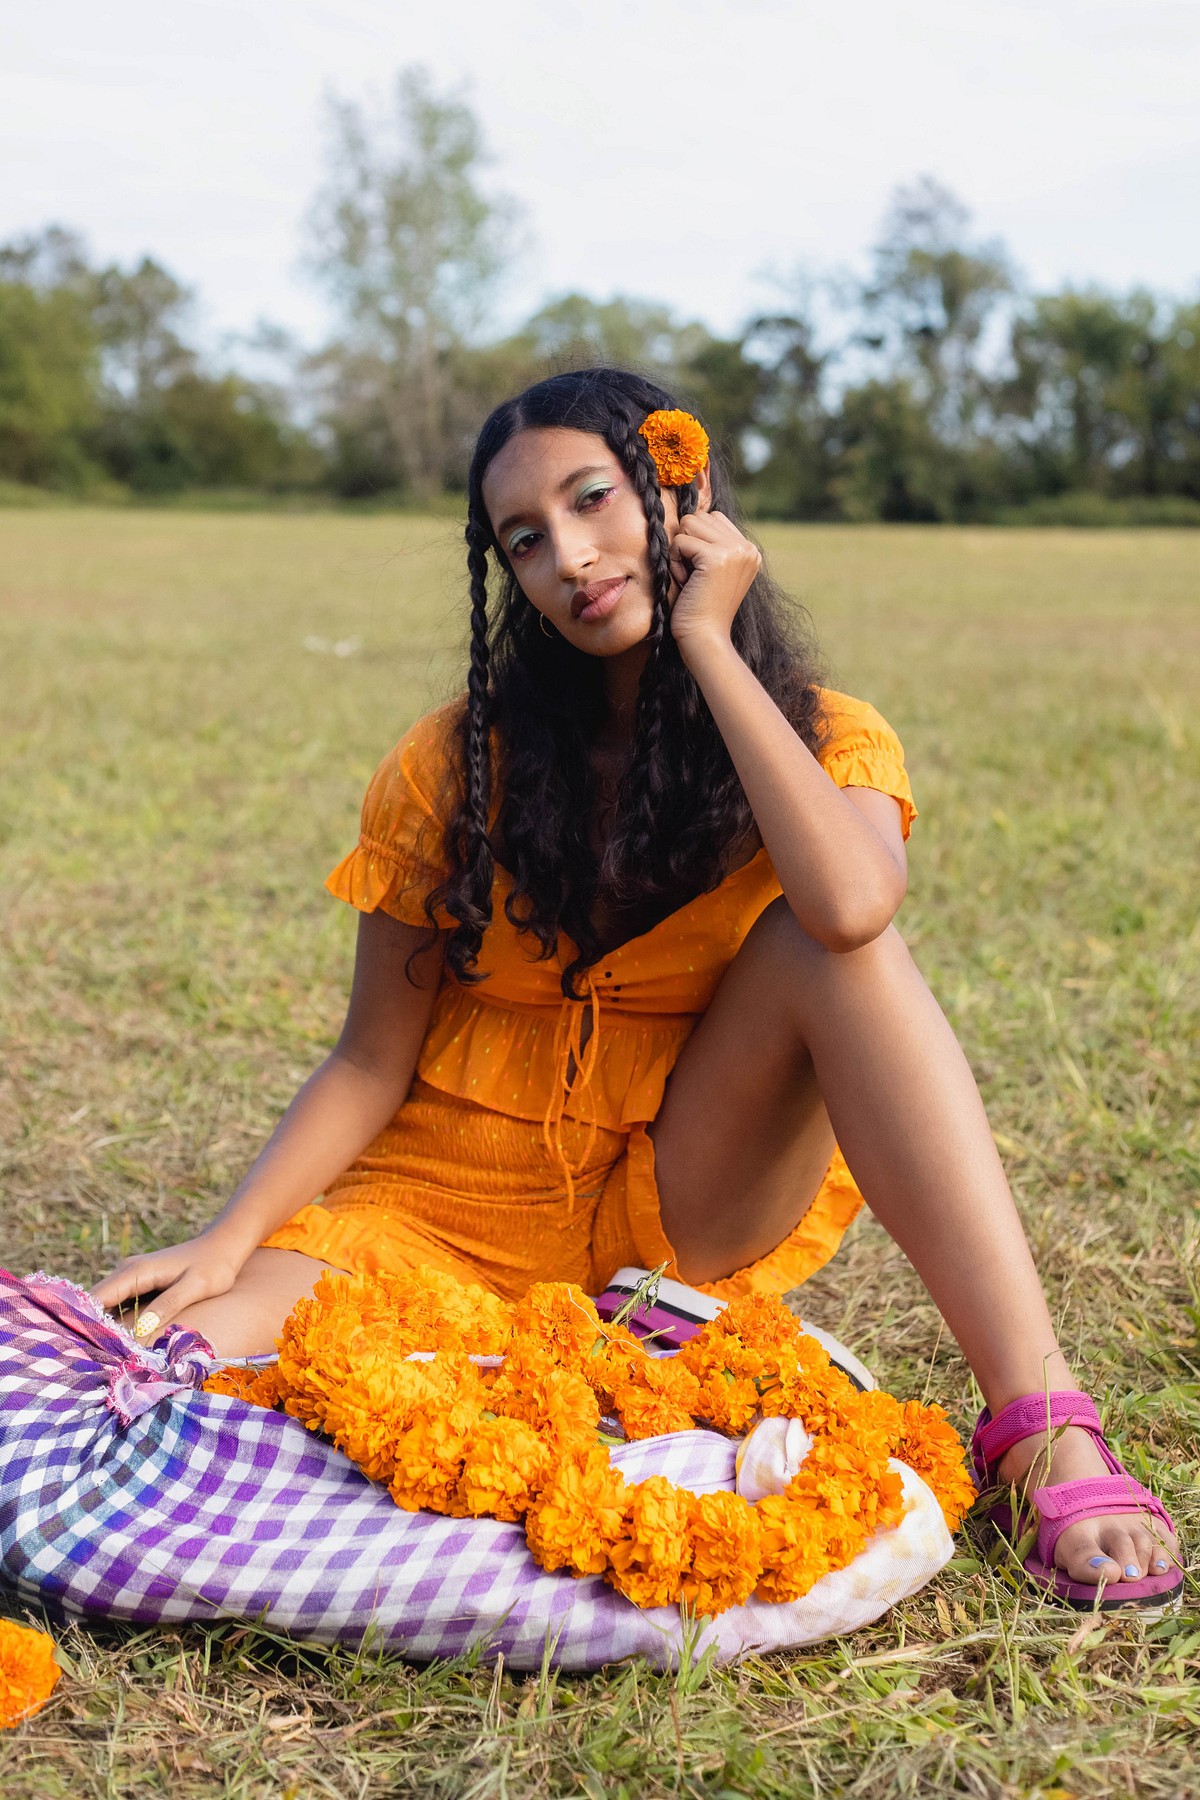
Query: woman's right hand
(198,1269)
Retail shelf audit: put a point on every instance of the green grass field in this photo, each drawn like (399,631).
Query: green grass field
(180,771)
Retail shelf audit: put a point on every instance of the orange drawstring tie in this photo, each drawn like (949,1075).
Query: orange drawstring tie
(568,1046)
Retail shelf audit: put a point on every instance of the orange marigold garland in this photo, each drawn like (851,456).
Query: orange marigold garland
(468,1406)
(28,1671)
(678,444)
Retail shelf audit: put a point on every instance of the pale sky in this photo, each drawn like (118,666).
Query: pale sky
(667,150)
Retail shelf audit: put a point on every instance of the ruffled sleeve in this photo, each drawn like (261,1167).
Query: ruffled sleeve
(862,750)
(400,857)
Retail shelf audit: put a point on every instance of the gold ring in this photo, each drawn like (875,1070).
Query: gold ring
(146,1324)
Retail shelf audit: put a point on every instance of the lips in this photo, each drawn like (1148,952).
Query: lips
(597,598)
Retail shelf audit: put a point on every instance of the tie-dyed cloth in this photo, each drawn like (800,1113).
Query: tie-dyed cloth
(128,1493)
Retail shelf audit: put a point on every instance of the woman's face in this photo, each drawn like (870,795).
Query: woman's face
(573,529)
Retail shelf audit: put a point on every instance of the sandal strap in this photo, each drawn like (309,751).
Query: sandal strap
(1027,1417)
(1070,1502)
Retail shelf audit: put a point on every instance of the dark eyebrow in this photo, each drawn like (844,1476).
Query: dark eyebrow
(576,475)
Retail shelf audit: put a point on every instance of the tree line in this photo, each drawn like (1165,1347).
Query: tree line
(935,387)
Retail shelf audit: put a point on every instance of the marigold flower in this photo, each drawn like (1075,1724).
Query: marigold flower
(644,1413)
(560,1316)
(558,1401)
(792,1541)
(728,1401)
(505,1464)
(678,444)
(656,1394)
(257,1387)
(761,1322)
(933,1450)
(428,1461)
(654,1550)
(726,1553)
(28,1671)
(579,1515)
(383,1398)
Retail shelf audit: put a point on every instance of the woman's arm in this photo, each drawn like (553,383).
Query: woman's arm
(839,853)
(342,1106)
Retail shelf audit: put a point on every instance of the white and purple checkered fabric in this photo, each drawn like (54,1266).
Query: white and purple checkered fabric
(128,1493)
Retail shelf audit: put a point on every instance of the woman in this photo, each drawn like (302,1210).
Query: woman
(627,978)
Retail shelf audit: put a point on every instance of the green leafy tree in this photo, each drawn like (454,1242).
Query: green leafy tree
(208,431)
(409,248)
(890,462)
(1069,350)
(639,334)
(49,361)
(929,302)
(790,422)
(168,423)
(140,317)
(1179,372)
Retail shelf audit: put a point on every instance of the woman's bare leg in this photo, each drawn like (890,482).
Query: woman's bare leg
(247,1320)
(801,1045)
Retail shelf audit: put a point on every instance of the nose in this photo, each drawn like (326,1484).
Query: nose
(574,551)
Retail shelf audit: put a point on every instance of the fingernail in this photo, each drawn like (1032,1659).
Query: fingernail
(1097,1562)
(148,1323)
(1131,1571)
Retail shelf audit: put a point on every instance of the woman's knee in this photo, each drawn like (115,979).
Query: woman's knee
(780,942)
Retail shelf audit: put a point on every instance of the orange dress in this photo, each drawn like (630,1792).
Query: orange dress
(494,1169)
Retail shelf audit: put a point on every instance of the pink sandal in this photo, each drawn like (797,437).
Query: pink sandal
(1068,1502)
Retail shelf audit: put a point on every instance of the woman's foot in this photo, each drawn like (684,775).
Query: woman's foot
(1111,1548)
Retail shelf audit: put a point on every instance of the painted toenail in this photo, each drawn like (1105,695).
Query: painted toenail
(1131,1571)
(1160,1564)
(1097,1561)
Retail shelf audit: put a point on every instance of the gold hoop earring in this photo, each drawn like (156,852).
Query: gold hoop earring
(542,624)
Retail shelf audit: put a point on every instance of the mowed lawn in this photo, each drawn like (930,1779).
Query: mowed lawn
(183,755)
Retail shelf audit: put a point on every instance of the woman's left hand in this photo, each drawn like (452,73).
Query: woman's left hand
(712,565)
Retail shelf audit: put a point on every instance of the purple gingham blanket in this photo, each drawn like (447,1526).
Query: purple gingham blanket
(126,1492)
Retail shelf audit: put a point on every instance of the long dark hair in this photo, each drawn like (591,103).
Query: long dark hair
(534,702)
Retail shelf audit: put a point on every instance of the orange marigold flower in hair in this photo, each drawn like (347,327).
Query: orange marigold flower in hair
(28,1671)
(726,1553)
(579,1515)
(654,1550)
(678,444)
